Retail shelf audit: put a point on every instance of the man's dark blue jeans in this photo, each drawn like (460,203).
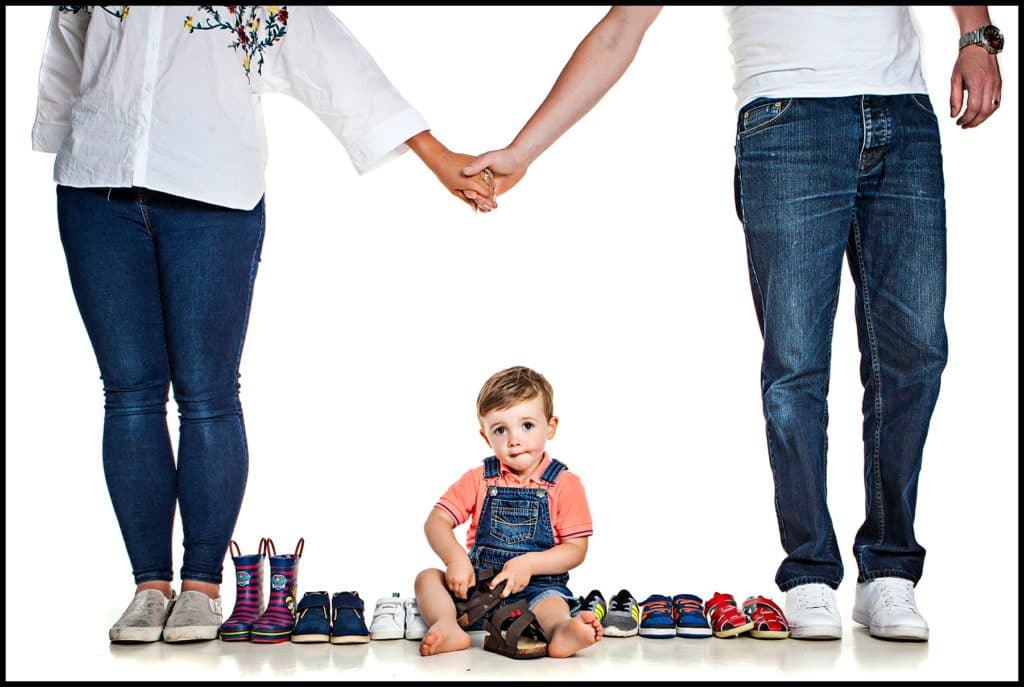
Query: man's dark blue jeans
(817,178)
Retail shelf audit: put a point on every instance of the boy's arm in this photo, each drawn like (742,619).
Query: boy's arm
(440,531)
(554,561)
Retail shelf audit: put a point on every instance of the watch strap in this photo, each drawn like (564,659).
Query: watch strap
(971,38)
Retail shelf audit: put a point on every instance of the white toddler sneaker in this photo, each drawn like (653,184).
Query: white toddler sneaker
(886,606)
(813,613)
(388,618)
(415,627)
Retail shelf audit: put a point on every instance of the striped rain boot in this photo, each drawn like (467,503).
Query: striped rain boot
(278,621)
(249,595)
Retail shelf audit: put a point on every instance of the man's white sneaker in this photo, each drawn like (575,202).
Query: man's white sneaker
(813,613)
(388,619)
(886,605)
(415,627)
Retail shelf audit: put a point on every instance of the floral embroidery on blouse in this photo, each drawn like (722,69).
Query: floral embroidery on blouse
(119,11)
(243,21)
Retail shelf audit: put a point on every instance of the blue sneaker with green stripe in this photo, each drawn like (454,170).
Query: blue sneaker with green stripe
(623,616)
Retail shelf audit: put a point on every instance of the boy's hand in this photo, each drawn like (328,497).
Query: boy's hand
(517,573)
(460,577)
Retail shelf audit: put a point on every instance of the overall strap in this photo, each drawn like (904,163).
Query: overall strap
(553,470)
(492,468)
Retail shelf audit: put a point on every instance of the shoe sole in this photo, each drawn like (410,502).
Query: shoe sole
(908,633)
(693,632)
(350,639)
(610,631)
(734,632)
(816,632)
(310,638)
(769,634)
(416,635)
(271,637)
(238,636)
(388,635)
(658,632)
(190,633)
(136,634)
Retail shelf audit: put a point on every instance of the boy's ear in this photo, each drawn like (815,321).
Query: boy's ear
(552,426)
(484,435)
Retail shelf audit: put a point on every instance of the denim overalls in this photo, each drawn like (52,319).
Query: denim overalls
(514,521)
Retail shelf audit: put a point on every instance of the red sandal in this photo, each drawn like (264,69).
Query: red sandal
(769,620)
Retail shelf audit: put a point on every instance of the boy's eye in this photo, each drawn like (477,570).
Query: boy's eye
(499,430)
(527,426)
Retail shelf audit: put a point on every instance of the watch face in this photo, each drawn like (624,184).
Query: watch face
(993,37)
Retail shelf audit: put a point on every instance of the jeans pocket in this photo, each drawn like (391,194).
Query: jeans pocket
(760,114)
(513,522)
(923,102)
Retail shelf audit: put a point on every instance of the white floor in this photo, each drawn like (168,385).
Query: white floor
(952,654)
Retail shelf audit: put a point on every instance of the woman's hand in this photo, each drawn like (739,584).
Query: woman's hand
(476,190)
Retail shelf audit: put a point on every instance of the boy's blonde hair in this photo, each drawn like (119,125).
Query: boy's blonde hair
(514,385)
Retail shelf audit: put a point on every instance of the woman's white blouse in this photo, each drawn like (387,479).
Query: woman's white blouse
(168,97)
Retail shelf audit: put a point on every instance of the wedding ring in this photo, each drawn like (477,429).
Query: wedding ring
(488,176)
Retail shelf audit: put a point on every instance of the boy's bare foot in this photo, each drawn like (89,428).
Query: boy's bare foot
(444,636)
(577,633)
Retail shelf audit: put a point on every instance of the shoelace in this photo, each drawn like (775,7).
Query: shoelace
(811,598)
(898,594)
(689,606)
(658,606)
(618,604)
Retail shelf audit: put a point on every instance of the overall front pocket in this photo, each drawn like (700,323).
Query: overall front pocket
(512,521)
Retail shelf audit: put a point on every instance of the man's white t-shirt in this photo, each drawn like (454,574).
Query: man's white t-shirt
(823,51)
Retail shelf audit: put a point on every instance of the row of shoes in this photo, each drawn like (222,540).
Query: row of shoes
(686,615)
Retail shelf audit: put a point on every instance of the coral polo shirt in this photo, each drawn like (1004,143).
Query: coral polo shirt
(570,514)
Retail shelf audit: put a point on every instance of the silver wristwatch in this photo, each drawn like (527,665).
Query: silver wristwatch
(988,37)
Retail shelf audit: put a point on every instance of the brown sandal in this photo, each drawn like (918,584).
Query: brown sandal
(513,631)
(481,599)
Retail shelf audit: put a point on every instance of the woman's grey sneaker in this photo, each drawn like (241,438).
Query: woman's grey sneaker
(623,616)
(194,616)
(143,620)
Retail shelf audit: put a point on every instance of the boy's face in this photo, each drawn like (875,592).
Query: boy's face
(517,434)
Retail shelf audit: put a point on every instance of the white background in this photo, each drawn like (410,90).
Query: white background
(616,268)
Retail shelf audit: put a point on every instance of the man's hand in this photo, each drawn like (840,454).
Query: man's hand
(506,165)
(976,72)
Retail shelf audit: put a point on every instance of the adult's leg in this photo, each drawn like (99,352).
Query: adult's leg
(112,263)
(796,181)
(898,262)
(207,257)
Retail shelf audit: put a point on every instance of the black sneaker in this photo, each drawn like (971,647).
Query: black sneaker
(594,601)
(623,617)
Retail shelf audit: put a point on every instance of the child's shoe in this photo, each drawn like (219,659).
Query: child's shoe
(311,622)
(594,602)
(278,621)
(415,626)
(769,620)
(724,617)
(248,591)
(347,623)
(143,620)
(388,618)
(688,610)
(623,617)
(656,617)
